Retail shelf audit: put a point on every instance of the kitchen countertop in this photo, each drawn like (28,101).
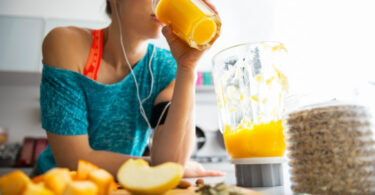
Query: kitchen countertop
(230,178)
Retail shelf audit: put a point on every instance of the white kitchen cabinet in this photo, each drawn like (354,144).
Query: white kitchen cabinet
(20,43)
(21,40)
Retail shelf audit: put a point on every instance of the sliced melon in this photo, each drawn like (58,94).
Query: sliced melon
(103,180)
(81,188)
(56,179)
(13,183)
(84,168)
(33,189)
(139,178)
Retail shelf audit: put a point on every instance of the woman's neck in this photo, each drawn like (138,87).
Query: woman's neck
(134,45)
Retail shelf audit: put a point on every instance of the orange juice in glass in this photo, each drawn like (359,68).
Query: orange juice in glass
(191,20)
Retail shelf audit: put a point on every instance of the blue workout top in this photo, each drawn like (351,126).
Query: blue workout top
(72,104)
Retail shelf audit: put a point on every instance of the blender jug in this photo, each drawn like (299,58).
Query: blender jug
(250,86)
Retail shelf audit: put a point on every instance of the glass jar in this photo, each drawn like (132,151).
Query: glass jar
(250,86)
(330,140)
(191,20)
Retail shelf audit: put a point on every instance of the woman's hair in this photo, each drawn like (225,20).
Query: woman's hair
(108,9)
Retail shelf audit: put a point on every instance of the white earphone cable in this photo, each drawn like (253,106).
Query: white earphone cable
(141,108)
(151,74)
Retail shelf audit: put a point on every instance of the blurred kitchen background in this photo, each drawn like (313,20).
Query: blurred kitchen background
(328,42)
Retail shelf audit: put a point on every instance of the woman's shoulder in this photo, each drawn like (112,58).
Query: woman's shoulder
(67,47)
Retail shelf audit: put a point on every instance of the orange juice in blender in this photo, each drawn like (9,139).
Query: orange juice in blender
(255,140)
(250,87)
(191,20)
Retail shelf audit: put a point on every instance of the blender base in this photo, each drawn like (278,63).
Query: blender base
(259,172)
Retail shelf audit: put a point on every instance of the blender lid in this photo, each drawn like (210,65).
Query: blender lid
(262,160)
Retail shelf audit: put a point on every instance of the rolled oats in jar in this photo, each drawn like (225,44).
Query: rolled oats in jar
(331,148)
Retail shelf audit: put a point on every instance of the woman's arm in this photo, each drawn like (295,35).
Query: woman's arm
(174,141)
(192,169)
(67,150)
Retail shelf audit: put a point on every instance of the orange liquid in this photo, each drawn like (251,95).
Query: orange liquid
(261,140)
(191,20)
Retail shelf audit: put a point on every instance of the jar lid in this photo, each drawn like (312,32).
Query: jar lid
(356,94)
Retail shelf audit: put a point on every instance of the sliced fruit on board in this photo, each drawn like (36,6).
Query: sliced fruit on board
(33,189)
(73,175)
(189,191)
(192,190)
(81,188)
(37,179)
(138,177)
(103,180)
(114,186)
(56,179)
(84,168)
(13,183)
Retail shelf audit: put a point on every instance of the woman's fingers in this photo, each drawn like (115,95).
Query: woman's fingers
(211,173)
(194,169)
(167,32)
(203,173)
(208,2)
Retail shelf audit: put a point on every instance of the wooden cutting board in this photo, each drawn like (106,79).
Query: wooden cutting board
(189,191)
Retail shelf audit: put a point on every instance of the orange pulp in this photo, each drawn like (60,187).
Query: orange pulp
(255,140)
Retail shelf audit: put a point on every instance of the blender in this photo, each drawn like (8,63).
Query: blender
(250,86)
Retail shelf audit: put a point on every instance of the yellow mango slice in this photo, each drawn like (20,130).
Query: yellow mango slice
(103,180)
(56,179)
(37,179)
(73,175)
(114,186)
(33,189)
(84,168)
(14,183)
(81,188)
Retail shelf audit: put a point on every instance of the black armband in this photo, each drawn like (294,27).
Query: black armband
(157,111)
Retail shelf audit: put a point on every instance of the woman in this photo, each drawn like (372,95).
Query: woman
(101,88)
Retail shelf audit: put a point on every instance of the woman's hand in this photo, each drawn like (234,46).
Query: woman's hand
(185,56)
(194,169)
